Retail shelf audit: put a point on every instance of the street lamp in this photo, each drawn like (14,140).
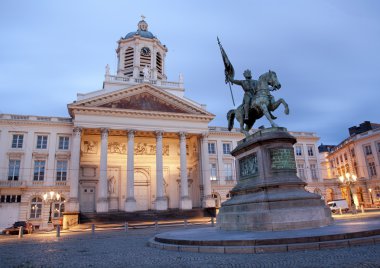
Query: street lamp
(50,198)
(349,179)
(370,195)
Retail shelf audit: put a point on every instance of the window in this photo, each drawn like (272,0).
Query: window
(63,143)
(61,170)
(13,170)
(59,208)
(356,168)
(41,142)
(17,141)
(10,198)
(301,171)
(298,150)
(341,158)
(378,147)
(226,148)
(39,170)
(372,169)
(313,170)
(345,156)
(310,150)
(35,208)
(213,171)
(352,152)
(368,149)
(338,170)
(228,171)
(337,160)
(211,148)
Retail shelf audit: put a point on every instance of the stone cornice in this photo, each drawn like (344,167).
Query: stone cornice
(141,113)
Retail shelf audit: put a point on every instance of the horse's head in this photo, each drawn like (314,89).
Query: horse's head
(272,80)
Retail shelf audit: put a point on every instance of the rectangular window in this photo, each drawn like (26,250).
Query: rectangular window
(313,169)
(372,169)
(310,150)
(39,170)
(213,171)
(352,152)
(10,198)
(378,147)
(341,158)
(211,148)
(301,171)
(337,160)
(298,150)
(13,170)
(61,170)
(228,171)
(17,141)
(63,143)
(345,156)
(41,142)
(226,148)
(368,149)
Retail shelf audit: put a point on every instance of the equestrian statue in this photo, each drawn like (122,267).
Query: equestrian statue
(257,100)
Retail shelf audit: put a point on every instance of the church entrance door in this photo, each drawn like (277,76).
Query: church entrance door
(87,200)
(142,194)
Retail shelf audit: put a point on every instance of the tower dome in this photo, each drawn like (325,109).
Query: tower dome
(142,30)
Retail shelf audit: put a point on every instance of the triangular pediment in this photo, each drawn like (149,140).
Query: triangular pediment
(145,101)
(140,98)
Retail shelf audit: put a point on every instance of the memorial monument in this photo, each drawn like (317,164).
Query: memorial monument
(268,195)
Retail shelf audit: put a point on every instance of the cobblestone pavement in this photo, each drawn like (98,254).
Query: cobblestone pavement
(115,248)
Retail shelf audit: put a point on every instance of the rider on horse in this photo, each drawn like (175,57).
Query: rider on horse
(249,87)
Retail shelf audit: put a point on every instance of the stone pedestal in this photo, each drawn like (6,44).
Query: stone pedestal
(130,204)
(269,196)
(185,203)
(161,203)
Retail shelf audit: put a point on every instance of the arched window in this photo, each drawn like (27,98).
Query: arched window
(35,208)
(128,62)
(59,208)
(159,62)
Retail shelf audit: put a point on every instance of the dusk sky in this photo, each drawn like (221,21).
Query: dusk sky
(325,53)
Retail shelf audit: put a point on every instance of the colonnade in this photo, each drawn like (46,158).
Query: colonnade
(130,201)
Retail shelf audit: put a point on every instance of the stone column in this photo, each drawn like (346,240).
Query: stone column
(161,200)
(185,202)
(73,204)
(207,200)
(102,201)
(130,201)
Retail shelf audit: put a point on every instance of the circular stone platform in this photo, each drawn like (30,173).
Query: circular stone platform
(210,239)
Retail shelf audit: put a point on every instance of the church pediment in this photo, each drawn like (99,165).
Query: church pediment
(146,102)
(142,98)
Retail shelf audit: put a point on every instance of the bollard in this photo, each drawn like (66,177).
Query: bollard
(156,225)
(212,222)
(340,211)
(126,227)
(185,222)
(362,208)
(21,232)
(93,228)
(58,231)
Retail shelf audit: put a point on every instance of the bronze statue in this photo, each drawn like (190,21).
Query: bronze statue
(257,101)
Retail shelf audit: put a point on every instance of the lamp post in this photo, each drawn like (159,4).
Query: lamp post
(50,198)
(370,195)
(348,180)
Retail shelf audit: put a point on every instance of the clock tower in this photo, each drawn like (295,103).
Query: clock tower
(141,55)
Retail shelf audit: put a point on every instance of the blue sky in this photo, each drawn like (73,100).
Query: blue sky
(325,54)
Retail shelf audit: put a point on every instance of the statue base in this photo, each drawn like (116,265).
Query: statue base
(269,196)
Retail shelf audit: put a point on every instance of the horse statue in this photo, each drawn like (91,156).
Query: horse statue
(262,103)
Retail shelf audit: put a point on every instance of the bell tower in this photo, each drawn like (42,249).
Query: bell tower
(141,55)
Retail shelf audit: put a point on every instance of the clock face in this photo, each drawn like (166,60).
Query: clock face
(145,51)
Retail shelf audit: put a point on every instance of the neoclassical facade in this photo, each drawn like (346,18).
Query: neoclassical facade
(357,155)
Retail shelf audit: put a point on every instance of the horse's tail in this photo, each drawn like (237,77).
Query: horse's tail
(231,118)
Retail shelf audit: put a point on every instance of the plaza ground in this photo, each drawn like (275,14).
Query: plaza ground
(111,246)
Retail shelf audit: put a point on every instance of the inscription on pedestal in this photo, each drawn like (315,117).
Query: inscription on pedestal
(282,158)
(248,166)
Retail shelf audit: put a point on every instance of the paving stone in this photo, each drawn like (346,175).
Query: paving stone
(211,249)
(303,246)
(334,244)
(239,250)
(274,248)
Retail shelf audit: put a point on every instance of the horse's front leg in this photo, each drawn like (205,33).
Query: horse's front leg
(274,105)
(264,108)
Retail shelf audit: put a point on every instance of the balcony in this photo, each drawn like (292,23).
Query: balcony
(12,184)
(223,183)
